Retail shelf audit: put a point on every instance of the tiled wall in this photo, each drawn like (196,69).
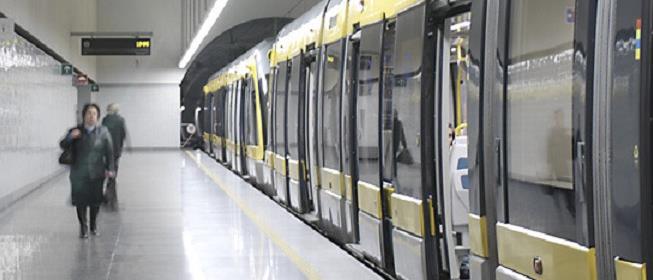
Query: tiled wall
(37,105)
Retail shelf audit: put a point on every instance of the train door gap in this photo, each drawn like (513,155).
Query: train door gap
(454,187)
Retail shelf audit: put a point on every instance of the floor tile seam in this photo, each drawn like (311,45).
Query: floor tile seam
(113,253)
(305,267)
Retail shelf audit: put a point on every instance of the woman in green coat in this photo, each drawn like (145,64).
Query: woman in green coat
(92,151)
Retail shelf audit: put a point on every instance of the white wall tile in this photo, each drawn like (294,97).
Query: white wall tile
(37,106)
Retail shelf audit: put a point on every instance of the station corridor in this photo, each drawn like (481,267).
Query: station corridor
(181,216)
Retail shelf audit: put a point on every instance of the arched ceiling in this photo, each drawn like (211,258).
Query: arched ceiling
(242,25)
(220,52)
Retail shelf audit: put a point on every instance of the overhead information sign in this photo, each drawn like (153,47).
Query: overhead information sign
(116,46)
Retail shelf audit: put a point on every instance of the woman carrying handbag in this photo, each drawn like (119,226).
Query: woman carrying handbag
(89,151)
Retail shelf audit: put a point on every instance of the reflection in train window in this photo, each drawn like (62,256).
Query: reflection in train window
(407,91)
(251,114)
(263,104)
(389,141)
(220,95)
(331,110)
(227,113)
(539,95)
(280,109)
(349,90)
(293,109)
(538,121)
(368,104)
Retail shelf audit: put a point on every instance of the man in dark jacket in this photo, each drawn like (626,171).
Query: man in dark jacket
(116,125)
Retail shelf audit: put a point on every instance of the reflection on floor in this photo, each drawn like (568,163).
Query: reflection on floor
(182,216)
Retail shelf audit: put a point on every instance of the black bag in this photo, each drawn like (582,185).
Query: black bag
(405,157)
(67,157)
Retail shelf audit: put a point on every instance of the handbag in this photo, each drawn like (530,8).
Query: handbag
(66,156)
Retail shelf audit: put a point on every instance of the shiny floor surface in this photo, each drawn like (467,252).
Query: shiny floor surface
(182,216)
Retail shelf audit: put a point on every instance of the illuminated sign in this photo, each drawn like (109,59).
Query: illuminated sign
(116,46)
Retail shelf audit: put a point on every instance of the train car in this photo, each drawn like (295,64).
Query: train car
(236,98)
(560,153)
(295,68)
(490,139)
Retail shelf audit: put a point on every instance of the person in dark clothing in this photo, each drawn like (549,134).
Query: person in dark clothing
(399,136)
(116,125)
(92,151)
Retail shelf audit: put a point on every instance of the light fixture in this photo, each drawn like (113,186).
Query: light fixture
(208,23)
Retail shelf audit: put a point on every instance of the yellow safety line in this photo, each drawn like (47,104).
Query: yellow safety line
(305,267)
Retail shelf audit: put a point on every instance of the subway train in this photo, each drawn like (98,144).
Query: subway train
(484,139)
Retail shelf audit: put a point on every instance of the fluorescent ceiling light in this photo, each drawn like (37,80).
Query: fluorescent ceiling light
(208,23)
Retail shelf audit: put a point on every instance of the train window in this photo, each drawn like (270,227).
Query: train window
(252,129)
(405,117)
(227,117)
(280,109)
(331,106)
(539,116)
(347,100)
(388,121)
(293,108)
(368,103)
(238,120)
(264,103)
(219,96)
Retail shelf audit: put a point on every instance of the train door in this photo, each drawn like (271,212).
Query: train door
(545,201)
(413,162)
(622,153)
(206,123)
(222,95)
(310,129)
(375,176)
(333,193)
(268,169)
(242,127)
(230,131)
(280,112)
(235,113)
(296,188)
(482,169)
(251,137)
(349,134)
(229,127)
(214,125)
(454,184)
(210,122)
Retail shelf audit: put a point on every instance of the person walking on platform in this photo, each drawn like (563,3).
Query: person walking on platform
(92,162)
(116,125)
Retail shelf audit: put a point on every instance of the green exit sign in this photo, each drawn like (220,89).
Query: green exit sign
(66,69)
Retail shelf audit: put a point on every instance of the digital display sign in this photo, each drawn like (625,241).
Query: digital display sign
(116,46)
